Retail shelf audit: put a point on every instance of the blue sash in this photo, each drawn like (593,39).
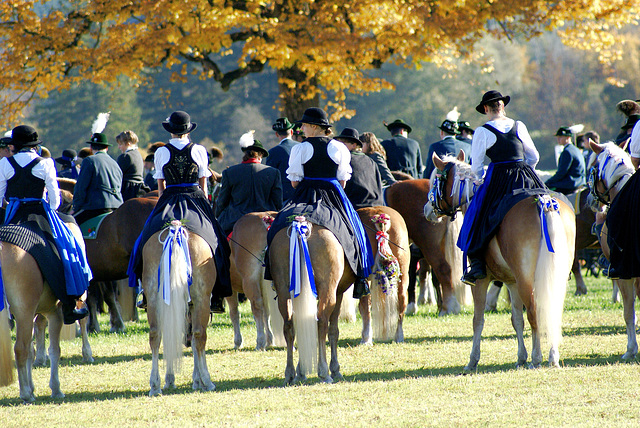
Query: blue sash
(77,273)
(365,255)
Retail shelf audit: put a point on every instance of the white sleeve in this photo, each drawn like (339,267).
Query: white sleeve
(531,155)
(339,153)
(634,144)
(51,183)
(300,153)
(160,158)
(483,139)
(199,155)
(6,172)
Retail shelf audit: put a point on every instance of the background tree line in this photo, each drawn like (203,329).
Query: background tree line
(551,85)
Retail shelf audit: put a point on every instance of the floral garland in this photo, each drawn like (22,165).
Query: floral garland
(387,268)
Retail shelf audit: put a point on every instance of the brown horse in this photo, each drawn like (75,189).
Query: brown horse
(435,240)
(168,319)
(519,256)
(108,255)
(313,320)
(387,308)
(611,176)
(28,294)
(248,243)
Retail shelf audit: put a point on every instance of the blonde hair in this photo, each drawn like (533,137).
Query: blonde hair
(374,144)
(127,137)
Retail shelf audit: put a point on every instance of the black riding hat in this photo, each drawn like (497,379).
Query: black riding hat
(398,123)
(24,136)
(315,116)
(351,135)
(179,123)
(491,96)
(68,155)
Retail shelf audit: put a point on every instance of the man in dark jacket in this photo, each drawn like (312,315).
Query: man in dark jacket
(248,187)
(364,188)
(448,145)
(403,153)
(97,190)
(278,156)
(571,170)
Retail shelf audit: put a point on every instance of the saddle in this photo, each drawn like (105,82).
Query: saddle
(90,227)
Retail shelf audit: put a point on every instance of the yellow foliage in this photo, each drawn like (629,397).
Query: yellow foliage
(332,43)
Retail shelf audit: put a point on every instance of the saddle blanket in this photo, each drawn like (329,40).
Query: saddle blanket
(90,227)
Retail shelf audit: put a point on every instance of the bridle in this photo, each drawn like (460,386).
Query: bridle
(596,175)
(437,194)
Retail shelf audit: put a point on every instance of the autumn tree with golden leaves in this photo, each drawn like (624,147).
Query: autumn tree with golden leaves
(320,49)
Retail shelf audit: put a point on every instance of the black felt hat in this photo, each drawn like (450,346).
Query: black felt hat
(24,136)
(4,142)
(398,123)
(491,96)
(631,121)
(179,123)
(68,155)
(351,135)
(282,125)
(450,127)
(99,139)
(466,126)
(315,116)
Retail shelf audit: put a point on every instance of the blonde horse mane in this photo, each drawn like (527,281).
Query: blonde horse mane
(617,167)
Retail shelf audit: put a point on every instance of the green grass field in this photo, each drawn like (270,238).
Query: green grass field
(416,383)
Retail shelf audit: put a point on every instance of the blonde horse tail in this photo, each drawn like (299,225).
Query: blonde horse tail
(384,311)
(453,255)
(550,280)
(7,375)
(270,302)
(305,320)
(172,317)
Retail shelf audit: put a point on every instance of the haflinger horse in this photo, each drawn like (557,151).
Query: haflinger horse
(385,306)
(180,255)
(248,243)
(314,320)
(610,169)
(27,294)
(437,241)
(531,252)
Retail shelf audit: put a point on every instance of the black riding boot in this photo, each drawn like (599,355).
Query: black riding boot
(477,270)
(71,313)
(360,288)
(217,305)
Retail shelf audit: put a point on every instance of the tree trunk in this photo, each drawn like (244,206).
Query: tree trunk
(295,93)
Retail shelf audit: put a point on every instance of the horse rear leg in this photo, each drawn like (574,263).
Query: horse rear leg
(334,333)
(517,321)
(94,298)
(479,292)
(87,354)
(234,315)
(24,354)
(115,315)
(627,291)
(39,326)
(55,328)
(581,287)
(365,313)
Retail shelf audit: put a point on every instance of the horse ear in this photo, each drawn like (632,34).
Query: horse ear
(597,148)
(437,161)
(625,143)
(461,156)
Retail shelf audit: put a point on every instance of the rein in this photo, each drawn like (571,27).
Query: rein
(244,248)
(437,194)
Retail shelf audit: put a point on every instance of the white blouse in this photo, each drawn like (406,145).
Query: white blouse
(301,153)
(483,140)
(45,170)
(634,144)
(198,153)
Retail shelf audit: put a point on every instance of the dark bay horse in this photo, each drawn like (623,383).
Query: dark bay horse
(518,255)
(435,240)
(108,255)
(613,168)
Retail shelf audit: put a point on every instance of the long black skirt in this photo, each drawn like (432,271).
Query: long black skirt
(189,205)
(624,230)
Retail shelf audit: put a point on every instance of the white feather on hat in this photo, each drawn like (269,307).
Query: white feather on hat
(247,139)
(100,123)
(577,128)
(453,115)
(8,134)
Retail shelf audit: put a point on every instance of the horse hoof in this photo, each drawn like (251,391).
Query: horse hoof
(327,379)
(628,356)
(40,363)
(468,369)
(57,394)
(411,309)
(154,392)
(337,377)
(30,399)
(117,330)
(366,342)
(88,360)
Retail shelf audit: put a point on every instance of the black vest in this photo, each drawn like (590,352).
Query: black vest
(508,146)
(320,165)
(181,167)
(24,184)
